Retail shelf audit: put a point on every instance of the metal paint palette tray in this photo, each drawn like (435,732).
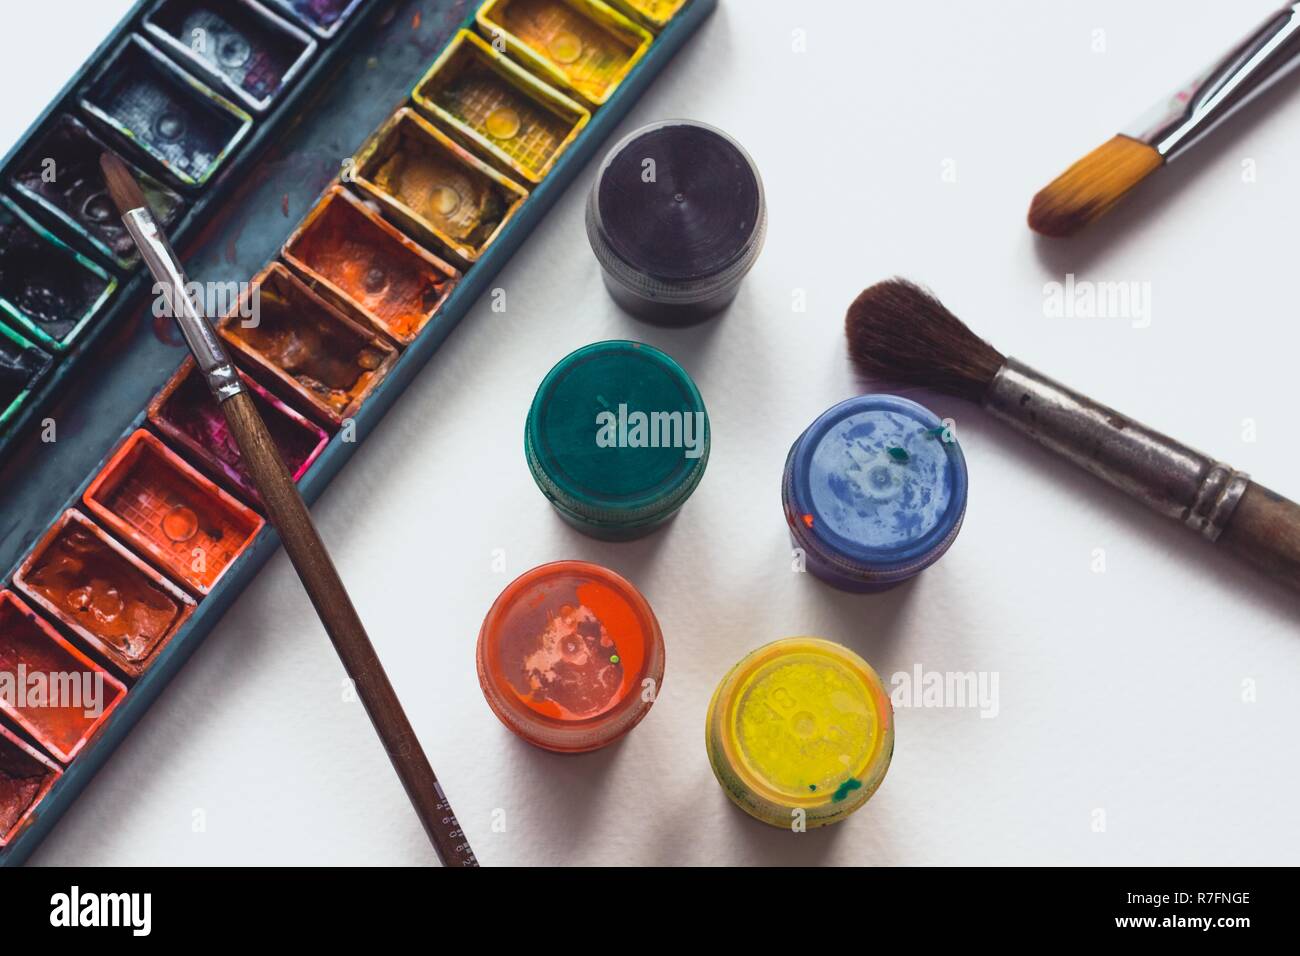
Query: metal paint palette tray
(151,486)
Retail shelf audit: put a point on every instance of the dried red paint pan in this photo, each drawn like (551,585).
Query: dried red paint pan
(26,776)
(48,687)
(119,606)
(570,657)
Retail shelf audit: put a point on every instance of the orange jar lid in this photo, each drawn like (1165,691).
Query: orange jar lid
(570,657)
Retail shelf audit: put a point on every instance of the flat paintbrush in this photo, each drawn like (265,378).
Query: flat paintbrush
(900,333)
(289,515)
(1089,188)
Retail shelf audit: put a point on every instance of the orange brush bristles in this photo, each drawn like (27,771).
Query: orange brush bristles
(1088,189)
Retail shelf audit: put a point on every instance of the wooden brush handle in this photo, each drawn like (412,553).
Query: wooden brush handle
(1264,531)
(289,515)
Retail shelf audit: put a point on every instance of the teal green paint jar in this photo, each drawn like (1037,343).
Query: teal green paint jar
(617,438)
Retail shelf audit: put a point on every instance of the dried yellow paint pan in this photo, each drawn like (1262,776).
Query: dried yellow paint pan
(800,733)
(584,47)
(436,189)
(493,105)
(653,14)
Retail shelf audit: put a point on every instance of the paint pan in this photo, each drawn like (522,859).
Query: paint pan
(241,45)
(874,492)
(48,291)
(800,732)
(583,47)
(307,350)
(183,523)
(26,776)
(436,189)
(61,174)
(122,608)
(323,17)
(496,107)
(617,439)
(176,119)
(364,265)
(50,689)
(570,657)
(22,367)
(653,14)
(188,417)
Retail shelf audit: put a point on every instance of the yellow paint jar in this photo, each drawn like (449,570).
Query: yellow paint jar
(800,732)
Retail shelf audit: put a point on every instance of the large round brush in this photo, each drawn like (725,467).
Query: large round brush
(899,332)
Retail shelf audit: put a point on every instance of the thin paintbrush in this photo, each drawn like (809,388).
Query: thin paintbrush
(1089,188)
(289,515)
(900,333)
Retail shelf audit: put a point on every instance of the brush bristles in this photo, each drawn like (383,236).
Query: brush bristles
(122,186)
(900,333)
(1088,189)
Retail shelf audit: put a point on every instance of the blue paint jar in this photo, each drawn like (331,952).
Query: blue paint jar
(874,492)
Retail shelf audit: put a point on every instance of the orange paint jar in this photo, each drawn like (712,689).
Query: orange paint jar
(570,657)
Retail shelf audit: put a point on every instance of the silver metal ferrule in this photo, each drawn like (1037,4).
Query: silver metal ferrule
(170,282)
(1259,61)
(1163,474)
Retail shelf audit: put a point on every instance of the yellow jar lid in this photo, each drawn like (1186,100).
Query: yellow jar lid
(800,732)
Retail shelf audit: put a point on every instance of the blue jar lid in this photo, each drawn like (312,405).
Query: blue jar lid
(878,482)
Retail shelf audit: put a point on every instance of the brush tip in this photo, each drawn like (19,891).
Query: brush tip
(122,184)
(1087,190)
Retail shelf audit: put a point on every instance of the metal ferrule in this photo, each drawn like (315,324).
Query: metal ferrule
(1259,61)
(169,277)
(1163,474)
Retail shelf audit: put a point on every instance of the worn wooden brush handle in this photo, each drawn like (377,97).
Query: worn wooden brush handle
(285,507)
(1265,531)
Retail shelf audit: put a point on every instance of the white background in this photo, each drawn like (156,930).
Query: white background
(1120,691)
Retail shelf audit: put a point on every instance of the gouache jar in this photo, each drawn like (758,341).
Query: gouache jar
(800,732)
(570,657)
(617,439)
(874,492)
(676,217)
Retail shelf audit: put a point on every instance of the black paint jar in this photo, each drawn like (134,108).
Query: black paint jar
(676,218)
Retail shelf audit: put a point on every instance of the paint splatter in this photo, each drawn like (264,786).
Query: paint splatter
(808,520)
(899,455)
(284,205)
(847,787)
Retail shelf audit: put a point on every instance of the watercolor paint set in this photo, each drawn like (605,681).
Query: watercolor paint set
(339,276)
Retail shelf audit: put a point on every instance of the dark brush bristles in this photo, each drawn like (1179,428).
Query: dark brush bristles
(900,333)
(122,186)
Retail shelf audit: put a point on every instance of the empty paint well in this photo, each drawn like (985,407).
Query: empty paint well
(364,264)
(187,415)
(324,17)
(22,367)
(50,689)
(26,776)
(800,731)
(581,46)
(122,608)
(617,438)
(47,291)
(240,44)
(307,350)
(170,513)
(436,189)
(654,14)
(481,96)
(182,123)
(570,656)
(874,492)
(61,174)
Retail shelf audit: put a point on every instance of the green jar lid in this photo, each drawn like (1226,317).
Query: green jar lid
(617,435)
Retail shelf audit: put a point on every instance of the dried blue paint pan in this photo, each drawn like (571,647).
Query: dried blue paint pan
(22,366)
(176,119)
(322,17)
(249,51)
(60,173)
(47,291)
